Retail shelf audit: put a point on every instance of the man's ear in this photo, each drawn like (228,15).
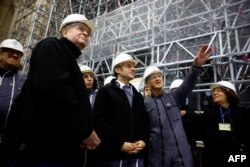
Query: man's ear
(64,32)
(117,69)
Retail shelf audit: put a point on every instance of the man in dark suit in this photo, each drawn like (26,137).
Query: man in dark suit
(120,118)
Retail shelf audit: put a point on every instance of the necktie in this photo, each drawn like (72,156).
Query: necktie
(128,91)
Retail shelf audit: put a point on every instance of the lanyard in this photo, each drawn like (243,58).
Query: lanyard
(223,114)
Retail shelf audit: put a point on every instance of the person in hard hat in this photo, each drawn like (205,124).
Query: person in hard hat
(11,81)
(175,84)
(90,82)
(224,127)
(92,88)
(56,124)
(120,118)
(188,120)
(108,80)
(168,142)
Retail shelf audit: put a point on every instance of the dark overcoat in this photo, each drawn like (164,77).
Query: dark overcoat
(116,122)
(52,115)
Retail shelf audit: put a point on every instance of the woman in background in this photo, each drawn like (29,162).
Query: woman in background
(224,127)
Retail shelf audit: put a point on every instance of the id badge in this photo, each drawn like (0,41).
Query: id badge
(225,126)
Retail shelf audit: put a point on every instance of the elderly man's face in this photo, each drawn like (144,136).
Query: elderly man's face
(78,34)
(10,59)
(155,81)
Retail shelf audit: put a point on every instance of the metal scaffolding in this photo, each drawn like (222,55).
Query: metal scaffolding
(37,19)
(166,33)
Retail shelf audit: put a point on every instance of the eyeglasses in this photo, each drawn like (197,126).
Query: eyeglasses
(12,52)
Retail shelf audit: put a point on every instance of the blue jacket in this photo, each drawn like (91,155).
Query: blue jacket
(11,83)
(167,136)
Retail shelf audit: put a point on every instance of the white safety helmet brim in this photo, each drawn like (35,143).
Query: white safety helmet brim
(12,44)
(176,83)
(149,71)
(122,58)
(108,80)
(224,84)
(78,18)
(86,69)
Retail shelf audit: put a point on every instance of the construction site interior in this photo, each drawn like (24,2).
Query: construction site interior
(166,33)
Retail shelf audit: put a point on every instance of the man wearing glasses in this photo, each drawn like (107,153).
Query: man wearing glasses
(55,125)
(11,52)
(168,144)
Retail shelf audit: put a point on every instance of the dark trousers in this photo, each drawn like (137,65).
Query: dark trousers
(41,164)
(123,163)
(91,159)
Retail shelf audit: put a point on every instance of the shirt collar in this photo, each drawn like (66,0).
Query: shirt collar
(121,84)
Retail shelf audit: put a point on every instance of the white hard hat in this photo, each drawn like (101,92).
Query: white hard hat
(85,69)
(176,83)
(123,57)
(224,84)
(108,80)
(137,83)
(12,44)
(151,70)
(74,18)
